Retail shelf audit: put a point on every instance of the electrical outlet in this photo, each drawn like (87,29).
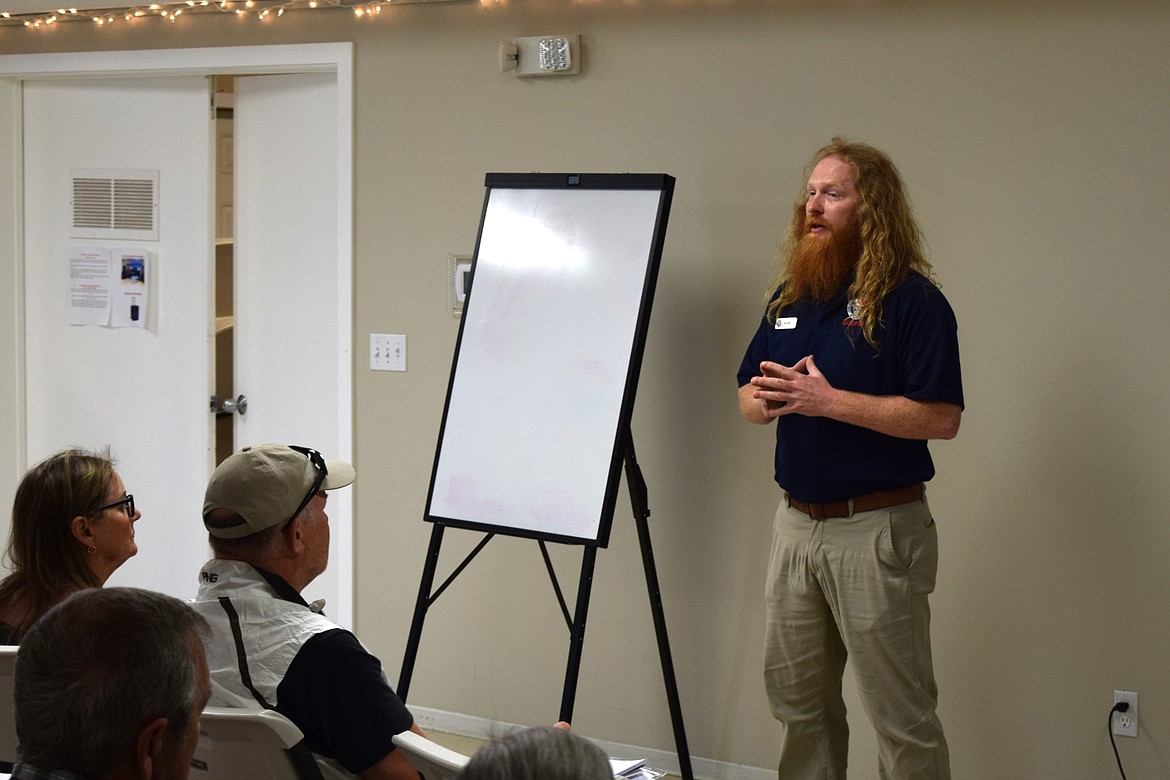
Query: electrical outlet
(387,352)
(1125,723)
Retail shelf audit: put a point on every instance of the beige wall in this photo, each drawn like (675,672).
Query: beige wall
(1036,147)
(11,306)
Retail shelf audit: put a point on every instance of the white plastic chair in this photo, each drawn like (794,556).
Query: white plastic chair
(429,758)
(244,744)
(7,713)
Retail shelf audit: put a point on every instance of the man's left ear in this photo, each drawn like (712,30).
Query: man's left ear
(148,753)
(296,535)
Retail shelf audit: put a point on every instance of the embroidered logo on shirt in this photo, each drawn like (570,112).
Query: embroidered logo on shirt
(853,311)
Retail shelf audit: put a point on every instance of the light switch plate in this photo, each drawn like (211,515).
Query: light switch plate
(387,352)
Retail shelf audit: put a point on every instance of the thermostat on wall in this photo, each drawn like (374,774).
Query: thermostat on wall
(459,272)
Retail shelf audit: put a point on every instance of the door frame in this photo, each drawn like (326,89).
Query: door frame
(15,69)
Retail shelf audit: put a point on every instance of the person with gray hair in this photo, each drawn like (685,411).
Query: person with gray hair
(264,510)
(109,685)
(539,753)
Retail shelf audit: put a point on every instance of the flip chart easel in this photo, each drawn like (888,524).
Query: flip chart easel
(535,429)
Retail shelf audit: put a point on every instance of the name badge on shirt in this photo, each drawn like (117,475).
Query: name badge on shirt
(786,323)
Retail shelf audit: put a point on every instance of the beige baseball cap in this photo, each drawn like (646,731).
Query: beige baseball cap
(267,484)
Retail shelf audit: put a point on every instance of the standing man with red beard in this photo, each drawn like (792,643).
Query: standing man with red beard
(857,360)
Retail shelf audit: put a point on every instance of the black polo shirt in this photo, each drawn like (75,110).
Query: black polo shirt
(821,460)
(335,693)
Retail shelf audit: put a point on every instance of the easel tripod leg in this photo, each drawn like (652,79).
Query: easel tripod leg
(676,719)
(640,504)
(420,611)
(577,639)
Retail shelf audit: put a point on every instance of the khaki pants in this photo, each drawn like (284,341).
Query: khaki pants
(854,587)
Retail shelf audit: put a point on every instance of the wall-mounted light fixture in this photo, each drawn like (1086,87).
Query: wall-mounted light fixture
(541,55)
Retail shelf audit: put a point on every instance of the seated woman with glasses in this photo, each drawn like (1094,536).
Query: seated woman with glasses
(72,527)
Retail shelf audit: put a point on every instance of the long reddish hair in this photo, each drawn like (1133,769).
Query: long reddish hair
(891,241)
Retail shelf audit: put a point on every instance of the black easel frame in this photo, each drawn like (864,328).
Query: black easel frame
(427,595)
(562,285)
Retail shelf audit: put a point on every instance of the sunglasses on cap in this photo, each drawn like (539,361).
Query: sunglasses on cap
(322,472)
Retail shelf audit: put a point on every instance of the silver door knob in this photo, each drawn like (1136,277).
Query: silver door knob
(229,406)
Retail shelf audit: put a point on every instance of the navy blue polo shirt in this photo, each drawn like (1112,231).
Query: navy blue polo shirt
(821,460)
(335,693)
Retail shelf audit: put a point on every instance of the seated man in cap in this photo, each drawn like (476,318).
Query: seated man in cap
(265,512)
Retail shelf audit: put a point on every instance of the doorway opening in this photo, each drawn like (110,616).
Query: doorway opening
(223,96)
(320,72)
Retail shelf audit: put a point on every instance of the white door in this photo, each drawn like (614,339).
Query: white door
(146,392)
(287,286)
(143,392)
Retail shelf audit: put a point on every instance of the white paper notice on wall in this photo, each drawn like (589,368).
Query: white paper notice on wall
(108,287)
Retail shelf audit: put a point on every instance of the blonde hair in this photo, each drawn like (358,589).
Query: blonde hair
(891,241)
(47,561)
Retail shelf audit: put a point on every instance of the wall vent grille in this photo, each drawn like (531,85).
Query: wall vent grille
(115,204)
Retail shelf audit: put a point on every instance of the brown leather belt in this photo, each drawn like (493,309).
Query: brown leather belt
(870,501)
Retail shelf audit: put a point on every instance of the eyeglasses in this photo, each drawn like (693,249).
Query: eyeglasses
(127,500)
(322,472)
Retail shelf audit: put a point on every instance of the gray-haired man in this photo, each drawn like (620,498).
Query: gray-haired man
(109,685)
(265,512)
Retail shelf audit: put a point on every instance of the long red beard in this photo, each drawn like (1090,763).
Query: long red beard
(821,264)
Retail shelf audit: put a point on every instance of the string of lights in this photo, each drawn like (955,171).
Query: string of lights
(171,10)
